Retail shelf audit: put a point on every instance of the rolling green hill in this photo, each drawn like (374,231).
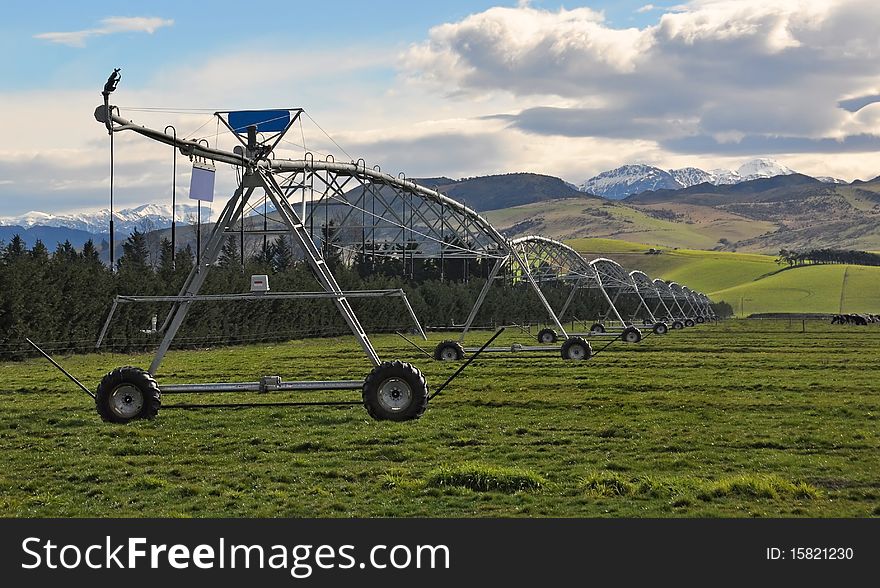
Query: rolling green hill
(760,216)
(751,283)
(658,225)
(825,288)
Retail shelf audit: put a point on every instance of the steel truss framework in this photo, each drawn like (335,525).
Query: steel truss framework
(392,390)
(322,204)
(614,278)
(339,205)
(543,260)
(649,291)
(698,302)
(684,301)
(676,312)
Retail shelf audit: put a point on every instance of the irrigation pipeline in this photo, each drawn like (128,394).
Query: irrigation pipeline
(333,403)
(184,406)
(259,404)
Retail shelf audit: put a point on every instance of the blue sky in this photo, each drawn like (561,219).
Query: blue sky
(200,28)
(444,88)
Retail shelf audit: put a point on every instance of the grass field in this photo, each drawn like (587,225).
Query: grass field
(745,418)
(751,283)
(699,227)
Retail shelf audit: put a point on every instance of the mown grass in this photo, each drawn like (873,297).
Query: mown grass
(679,488)
(741,419)
(751,283)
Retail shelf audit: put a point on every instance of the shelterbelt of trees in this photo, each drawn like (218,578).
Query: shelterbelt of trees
(62,298)
(822,256)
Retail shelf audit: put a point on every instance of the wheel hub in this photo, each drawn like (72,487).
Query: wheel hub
(395,394)
(126,401)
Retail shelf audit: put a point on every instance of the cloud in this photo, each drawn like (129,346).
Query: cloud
(776,73)
(511,89)
(751,144)
(646,8)
(108,26)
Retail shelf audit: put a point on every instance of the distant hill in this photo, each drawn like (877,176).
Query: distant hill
(759,190)
(763,215)
(502,191)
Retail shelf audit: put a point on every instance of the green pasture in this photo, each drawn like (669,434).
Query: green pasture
(751,283)
(741,419)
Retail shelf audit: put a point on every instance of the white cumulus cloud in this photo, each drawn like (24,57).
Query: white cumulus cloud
(771,74)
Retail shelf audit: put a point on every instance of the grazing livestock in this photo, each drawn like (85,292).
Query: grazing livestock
(854,319)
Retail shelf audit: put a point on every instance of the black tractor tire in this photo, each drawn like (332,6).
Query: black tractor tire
(660,328)
(700,320)
(597,328)
(576,349)
(689,322)
(547,336)
(449,351)
(128,393)
(677,325)
(631,335)
(395,391)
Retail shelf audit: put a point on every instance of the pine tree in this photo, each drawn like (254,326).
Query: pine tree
(15,249)
(39,251)
(184,260)
(165,271)
(65,252)
(230,256)
(283,255)
(89,253)
(264,254)
(135,254)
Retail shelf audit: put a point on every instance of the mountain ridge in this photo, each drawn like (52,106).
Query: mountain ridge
(626,180)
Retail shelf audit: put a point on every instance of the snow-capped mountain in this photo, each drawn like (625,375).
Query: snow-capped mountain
(762,167)
(830,180)
(146,217)
(619,183)
(691,176)
(723,177)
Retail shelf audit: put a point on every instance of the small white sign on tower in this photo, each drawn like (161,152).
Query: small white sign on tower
(201,185)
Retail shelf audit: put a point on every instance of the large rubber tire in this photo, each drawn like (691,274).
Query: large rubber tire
(689,322)
(547,336)
(448,351)
(700,320)
(128,393)
(395,391)
(631,335)
(597,328)
(576,349)
(660,328)
(677,325)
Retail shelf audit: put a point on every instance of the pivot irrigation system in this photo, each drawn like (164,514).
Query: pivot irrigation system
(364,216)
(392,390)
